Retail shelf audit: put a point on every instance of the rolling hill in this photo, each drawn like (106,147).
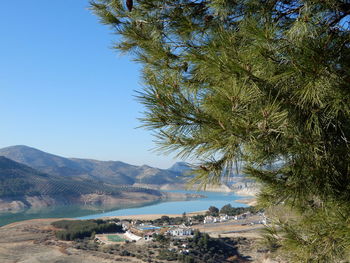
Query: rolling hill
(111,172)
(17,179)
(180,167)
(22,187)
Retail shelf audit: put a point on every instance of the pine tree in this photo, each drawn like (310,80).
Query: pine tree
(258,81)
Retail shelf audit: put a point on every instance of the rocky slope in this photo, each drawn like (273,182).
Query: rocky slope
(245,187)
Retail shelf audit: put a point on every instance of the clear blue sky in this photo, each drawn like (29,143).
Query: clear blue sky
(64,90)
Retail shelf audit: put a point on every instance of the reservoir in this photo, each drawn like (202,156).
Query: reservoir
(218,199)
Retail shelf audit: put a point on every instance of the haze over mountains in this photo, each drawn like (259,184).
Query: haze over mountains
(110,172)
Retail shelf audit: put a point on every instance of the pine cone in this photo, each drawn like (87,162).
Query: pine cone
(129,4)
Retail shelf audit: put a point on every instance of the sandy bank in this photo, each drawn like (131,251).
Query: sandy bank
(153,216)
(132,217)
(248,201)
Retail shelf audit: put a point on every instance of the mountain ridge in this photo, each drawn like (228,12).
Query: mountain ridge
(111,172)
(23,187)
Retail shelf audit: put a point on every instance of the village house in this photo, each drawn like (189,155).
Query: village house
(125,225)
(179,232)
(224,218)
(210,220)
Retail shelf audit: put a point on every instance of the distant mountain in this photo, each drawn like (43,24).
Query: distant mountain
(112,172)
(180,167)
(17,179)
(22,187)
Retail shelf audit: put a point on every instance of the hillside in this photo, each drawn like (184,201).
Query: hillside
(18,179)
(112,172)
(181,167)
(23,187)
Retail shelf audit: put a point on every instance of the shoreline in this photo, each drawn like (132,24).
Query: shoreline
(248,201)
(132,217)
(145,215)
(153,216)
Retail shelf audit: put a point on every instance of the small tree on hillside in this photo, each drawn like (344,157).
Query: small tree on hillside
(213,211)
(260,81)
(226,209)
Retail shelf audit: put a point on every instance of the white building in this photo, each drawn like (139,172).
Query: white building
(132,236)
(224,218)
(181,232)
(211,219)
(125,225)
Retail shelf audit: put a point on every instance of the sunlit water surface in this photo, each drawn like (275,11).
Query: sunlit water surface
(89,212)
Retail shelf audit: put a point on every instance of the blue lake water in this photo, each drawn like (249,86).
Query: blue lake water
(90,212)
(178,207)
